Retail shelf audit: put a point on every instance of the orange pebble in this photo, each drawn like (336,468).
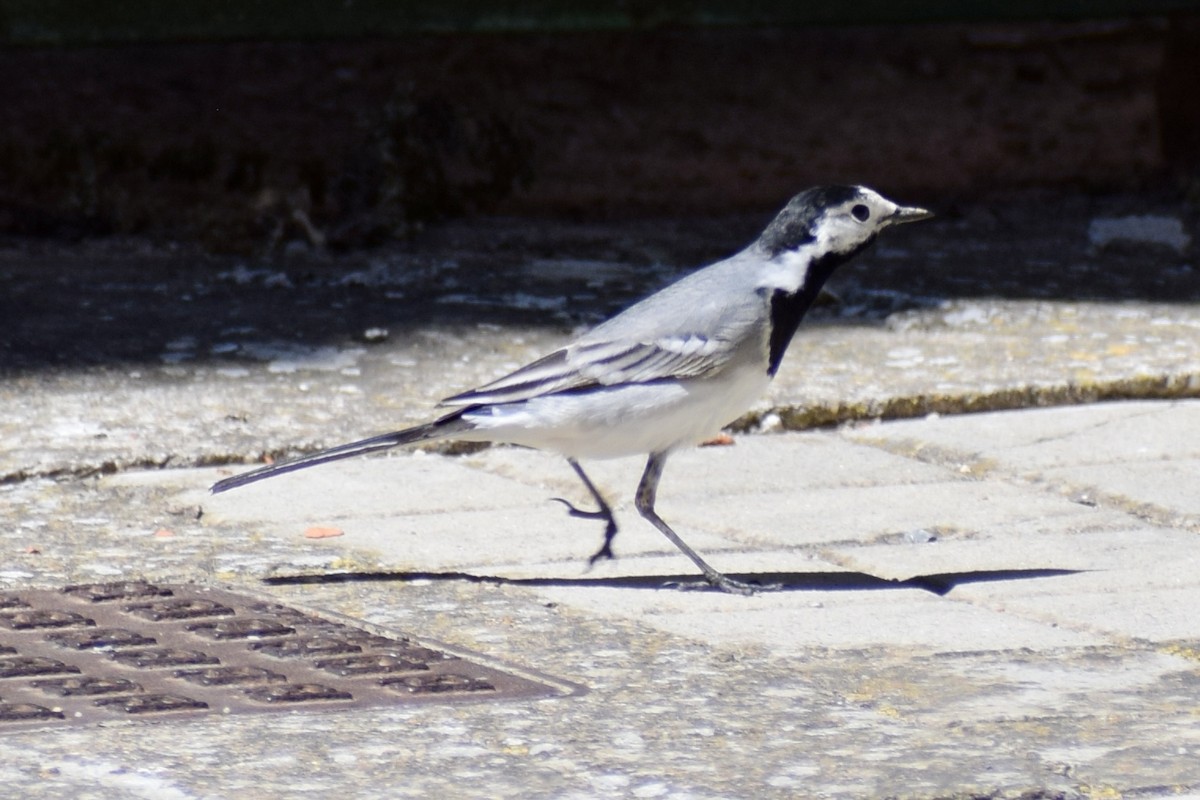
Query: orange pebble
(720,440)
(323,533)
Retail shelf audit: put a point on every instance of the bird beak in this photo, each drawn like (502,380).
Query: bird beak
(904,214)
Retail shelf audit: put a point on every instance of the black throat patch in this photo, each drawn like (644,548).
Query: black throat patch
(789,308)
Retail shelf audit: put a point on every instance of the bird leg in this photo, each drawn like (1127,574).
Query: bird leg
(605,513)
(646,492)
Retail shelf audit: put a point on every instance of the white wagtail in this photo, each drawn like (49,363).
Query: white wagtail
(666,373)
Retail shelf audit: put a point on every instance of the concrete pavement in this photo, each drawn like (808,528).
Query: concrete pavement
(990,604)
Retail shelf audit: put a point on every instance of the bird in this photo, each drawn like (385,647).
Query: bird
(668,372)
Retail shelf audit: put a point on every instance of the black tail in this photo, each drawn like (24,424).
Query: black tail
(443,427)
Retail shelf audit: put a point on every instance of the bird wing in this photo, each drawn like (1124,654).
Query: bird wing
(691,329)
(604,363)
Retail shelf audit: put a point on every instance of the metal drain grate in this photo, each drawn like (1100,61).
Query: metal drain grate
(134,650)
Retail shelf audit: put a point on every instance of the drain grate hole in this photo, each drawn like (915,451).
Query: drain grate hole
(243,628)
(164,657)
(417,653)
(95,638)
(226,676)
(178,609)
(371,665)
(437,684)
(120,590)
(24,712)
(305,647)
(23,620)
(296,693)
(29,666)
(85,686)
(151,703)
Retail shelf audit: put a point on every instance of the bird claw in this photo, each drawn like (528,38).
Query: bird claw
(604,552)
(576,511)
(723,583)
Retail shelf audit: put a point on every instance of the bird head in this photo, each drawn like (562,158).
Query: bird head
(834,221)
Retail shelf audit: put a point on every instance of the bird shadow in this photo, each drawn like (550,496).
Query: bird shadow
(939,583)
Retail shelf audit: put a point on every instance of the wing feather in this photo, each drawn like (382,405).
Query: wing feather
(579,366)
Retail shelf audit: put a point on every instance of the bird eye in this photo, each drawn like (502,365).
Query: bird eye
(861,213)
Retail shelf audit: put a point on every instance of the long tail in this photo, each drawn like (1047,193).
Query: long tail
(441,428)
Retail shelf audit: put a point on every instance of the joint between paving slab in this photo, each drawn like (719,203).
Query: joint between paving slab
(971,465)
(968,465)
(1141,510)
(1143,387)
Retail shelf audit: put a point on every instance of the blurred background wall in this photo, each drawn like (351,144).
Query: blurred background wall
(352,124)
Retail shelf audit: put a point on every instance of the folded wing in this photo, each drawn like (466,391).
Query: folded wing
(591,363)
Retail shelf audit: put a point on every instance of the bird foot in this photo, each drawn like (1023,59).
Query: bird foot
(724,583)
(610,530)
